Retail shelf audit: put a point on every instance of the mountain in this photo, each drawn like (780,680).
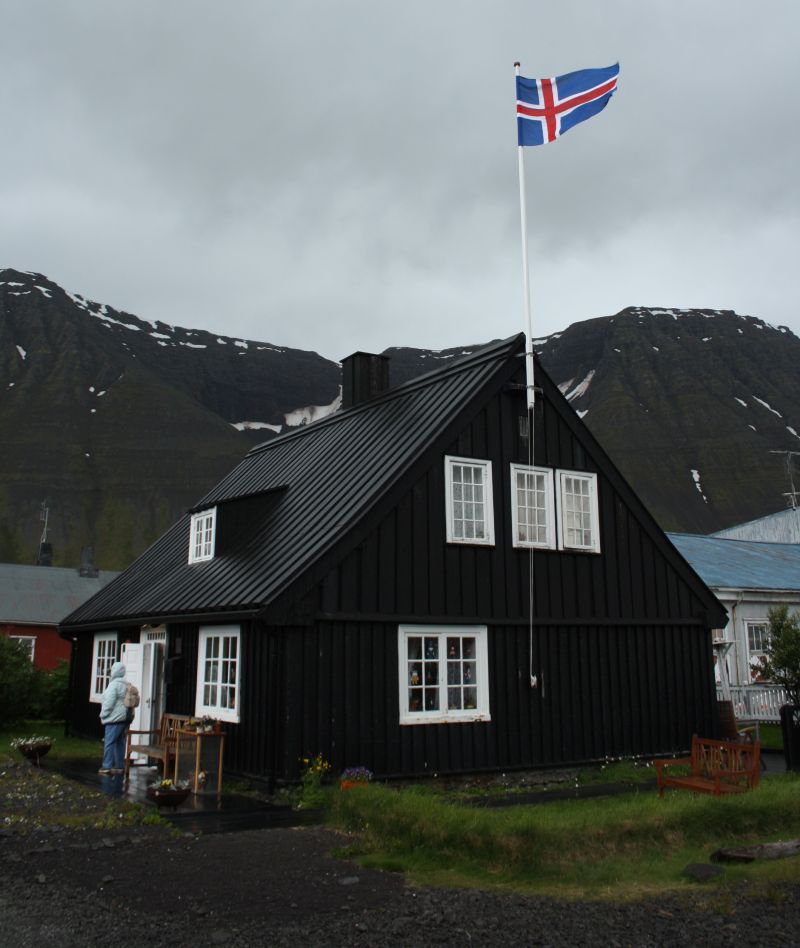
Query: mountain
(690,404)
(121,424)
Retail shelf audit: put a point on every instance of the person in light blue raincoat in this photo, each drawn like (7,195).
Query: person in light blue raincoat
(114,715)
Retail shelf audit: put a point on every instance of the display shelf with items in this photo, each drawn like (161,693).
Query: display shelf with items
(423,673)
(198,760)
(462,691)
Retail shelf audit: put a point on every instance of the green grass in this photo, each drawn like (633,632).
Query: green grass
(620,846)
(63,749)
(771,737)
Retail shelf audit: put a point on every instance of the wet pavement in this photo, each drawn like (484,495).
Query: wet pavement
(199,813)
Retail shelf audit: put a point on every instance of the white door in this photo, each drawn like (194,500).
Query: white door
(154,644)
(132,659)
(144,667)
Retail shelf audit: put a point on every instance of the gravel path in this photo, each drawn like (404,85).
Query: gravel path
(281,887)
(145,886)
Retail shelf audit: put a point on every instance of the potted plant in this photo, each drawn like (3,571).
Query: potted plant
(168,792)
(355,777)
(33,748)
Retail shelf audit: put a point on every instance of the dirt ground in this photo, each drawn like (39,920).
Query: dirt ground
(139,885)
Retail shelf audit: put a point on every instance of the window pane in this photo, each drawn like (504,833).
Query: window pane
(468,499)
(453,699)
(444,676)
(532,514)
(577,511)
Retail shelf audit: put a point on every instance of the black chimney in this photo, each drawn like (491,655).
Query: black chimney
(87,569)
(364,376)
(45,555)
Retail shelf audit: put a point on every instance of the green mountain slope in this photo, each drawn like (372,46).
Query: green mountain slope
(121,424)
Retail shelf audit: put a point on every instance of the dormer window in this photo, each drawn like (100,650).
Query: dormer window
(201,537)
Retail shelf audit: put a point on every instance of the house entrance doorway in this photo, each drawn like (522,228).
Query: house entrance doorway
(144,664)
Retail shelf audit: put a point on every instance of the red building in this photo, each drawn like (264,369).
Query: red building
(34,599)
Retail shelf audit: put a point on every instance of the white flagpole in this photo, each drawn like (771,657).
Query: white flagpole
(525,279)
(534,681)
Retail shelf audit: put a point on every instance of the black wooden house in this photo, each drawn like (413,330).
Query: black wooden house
(362,587)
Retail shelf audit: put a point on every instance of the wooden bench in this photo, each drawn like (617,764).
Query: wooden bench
(717,767)
(159,745)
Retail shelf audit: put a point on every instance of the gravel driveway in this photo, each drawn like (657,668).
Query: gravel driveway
(145,886)
(282,887)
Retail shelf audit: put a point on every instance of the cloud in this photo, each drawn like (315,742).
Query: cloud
(345,176)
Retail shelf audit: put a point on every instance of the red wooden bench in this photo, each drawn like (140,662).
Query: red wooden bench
(717,767)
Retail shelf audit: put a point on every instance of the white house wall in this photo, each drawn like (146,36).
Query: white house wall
(745,606)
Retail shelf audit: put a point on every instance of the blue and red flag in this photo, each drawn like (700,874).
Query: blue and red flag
(546,108)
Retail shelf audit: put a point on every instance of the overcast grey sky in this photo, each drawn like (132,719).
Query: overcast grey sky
(340,176)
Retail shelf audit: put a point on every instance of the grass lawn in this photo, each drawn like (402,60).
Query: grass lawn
(621,846)
(63,749)
(771,737)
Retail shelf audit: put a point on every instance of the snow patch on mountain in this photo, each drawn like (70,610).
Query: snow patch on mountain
(696,479)
(766,405)
(255,426)
(580,389)
(22,352)
(304,416)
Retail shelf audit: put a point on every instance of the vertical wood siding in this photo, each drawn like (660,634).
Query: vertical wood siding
(604,691)
(405,567)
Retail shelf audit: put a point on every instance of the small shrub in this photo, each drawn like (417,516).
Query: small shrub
(18,682)
(314,771)
(53,688)
(781,663)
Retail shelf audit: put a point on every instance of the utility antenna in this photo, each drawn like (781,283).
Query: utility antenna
(791,494)
(43,515)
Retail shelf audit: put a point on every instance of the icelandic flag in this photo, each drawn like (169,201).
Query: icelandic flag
(546,108)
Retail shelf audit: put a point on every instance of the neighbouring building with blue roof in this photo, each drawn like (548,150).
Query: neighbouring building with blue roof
(748,577)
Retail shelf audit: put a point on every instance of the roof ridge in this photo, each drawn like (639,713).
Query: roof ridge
(484,354)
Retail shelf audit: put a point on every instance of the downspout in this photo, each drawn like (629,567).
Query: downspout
(738,602)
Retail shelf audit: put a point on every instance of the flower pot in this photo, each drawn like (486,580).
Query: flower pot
(33,752)
(167,796)
(349,784)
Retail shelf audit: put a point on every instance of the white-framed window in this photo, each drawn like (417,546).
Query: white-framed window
(532,509)
(444,674)
(201,536)
(468,487)
(104,655)
(757,638)
(578,522)
(28,642)
(218,672)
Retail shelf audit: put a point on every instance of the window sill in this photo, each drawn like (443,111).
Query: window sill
(422,718)
(228,717)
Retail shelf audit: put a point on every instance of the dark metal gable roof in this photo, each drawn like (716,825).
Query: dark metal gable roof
(331,474)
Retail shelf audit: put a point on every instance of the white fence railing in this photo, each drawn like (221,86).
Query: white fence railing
(757,702)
